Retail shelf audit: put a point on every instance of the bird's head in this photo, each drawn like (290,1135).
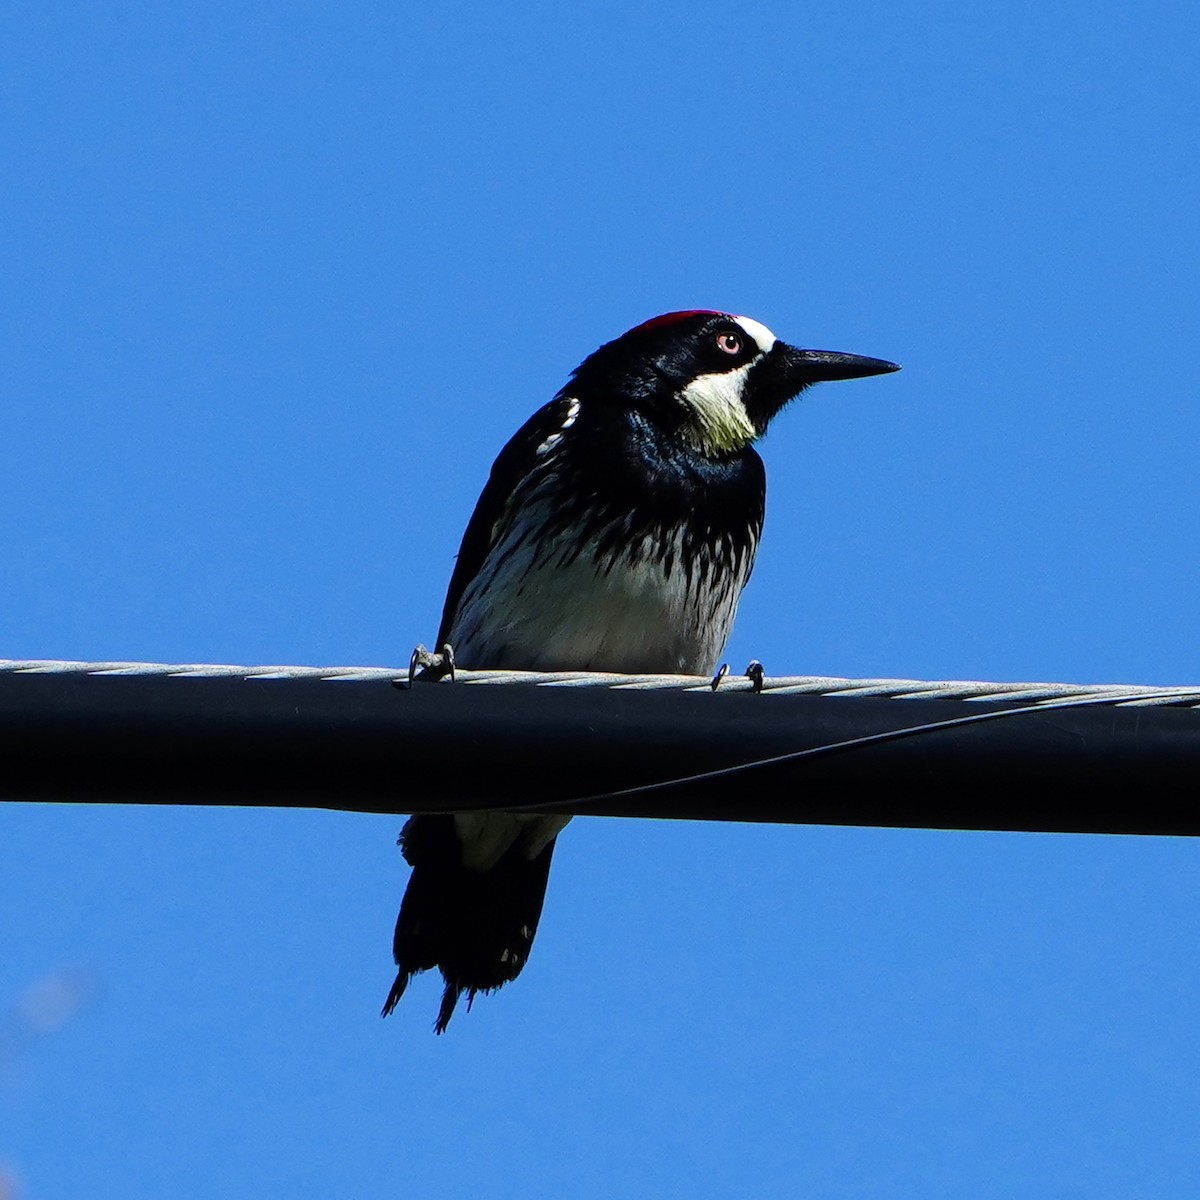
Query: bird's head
(713,379)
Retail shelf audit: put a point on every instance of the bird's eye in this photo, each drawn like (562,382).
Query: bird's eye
(729,343)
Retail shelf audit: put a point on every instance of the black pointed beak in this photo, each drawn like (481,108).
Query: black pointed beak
(818,366)
(785,371)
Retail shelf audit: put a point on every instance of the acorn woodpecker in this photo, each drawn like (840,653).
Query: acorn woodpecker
(616,532)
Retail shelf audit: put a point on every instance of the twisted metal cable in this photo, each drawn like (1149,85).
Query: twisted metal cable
(815,685)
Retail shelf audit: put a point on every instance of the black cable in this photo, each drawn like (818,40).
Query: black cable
(857,743)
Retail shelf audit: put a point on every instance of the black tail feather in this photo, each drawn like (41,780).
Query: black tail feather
(476,927)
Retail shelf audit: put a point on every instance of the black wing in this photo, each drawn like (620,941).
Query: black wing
(512,464)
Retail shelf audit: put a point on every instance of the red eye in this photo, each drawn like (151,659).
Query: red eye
(729,342)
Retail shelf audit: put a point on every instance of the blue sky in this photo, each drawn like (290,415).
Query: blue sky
(276,286)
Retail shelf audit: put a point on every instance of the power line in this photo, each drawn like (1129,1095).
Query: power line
(966,755)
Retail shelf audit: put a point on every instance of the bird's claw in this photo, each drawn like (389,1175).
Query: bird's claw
(754,672)
(429,667)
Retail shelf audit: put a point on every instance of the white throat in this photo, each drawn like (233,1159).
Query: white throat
(719,420)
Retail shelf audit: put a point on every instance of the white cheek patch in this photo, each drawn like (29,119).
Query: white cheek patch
(720,421)
(762,337)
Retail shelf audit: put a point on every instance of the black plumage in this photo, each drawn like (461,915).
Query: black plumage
(616,532)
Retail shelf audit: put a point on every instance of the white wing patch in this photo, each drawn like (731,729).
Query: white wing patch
(567,422)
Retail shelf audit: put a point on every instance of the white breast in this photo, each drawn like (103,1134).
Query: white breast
(544,608)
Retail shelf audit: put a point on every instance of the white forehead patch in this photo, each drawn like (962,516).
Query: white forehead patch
(762,337)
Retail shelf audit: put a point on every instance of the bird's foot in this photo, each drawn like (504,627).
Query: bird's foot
(754,672)
(429,667)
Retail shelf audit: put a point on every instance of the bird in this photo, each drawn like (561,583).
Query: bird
(615,533)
